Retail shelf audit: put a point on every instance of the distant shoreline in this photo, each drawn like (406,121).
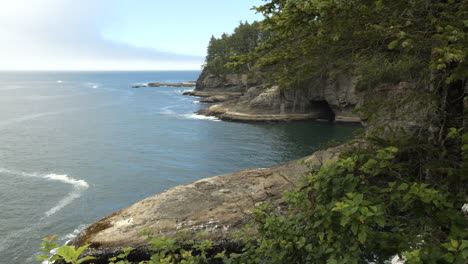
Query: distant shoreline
(180,84)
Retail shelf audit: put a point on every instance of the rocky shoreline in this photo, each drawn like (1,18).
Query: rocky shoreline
(225,115)
(239,99)
(219,205)
(222,205)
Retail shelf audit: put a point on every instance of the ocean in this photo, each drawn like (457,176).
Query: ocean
(77,146)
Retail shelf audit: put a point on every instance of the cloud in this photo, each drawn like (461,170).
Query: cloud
(65,35)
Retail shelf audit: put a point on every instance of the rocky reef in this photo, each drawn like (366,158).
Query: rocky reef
(181,84)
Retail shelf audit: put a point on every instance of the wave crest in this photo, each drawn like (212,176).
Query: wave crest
(78,186)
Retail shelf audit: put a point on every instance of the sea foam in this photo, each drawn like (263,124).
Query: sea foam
(200,117)
(65,179)
(69,237)
(78,186)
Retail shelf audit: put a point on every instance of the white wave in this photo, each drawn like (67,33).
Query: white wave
(168,111)
(69,237)
(64,202)
(78,187)
(183,91)
(196,102)
(200,117)
(60,81)
(65,179)
(93,85)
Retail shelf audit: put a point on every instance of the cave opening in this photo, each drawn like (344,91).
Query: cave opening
(322,109)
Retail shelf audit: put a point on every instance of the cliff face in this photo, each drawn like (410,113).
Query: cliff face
(323,99)
(209,82)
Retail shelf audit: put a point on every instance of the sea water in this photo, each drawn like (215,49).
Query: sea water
(77,146)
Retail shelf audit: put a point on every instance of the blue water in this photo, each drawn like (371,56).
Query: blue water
(77,146)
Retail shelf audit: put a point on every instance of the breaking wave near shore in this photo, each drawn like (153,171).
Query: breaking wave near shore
(78,187)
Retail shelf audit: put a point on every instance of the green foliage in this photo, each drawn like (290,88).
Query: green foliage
(69,254)
(121,258)
(313,38)
(241,43)
(366,206)
(379,70)
(178,250)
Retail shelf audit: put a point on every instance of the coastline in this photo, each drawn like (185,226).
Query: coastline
(219,205)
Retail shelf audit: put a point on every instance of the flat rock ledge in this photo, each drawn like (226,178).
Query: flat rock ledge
(228,95)
(219,206)
(226,115)
(214,99)
(182,84)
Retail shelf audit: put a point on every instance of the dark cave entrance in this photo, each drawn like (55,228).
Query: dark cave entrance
(323,110)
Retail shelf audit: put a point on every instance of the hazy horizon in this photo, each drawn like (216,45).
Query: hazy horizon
(113,35)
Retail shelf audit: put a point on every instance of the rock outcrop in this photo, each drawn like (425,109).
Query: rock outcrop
(215,84)
(332,100)
(214,99)
(181,84)
(220,205)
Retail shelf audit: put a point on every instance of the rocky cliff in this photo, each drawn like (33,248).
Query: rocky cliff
(388,107)
(209,82)
(332,100)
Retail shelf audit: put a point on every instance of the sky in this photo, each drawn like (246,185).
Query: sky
(114,34)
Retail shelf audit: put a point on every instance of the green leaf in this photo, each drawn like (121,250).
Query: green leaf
(362,237)
(454,243)
(380,221)
(402,187)
(464,244)
(465,253)
(393,44)
(358,198)
(42,257)
(67,253)
(344,220)
(84,259)
(81,249)
(354,228)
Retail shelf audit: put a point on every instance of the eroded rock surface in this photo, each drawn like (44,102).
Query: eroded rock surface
(220,206)
(211,83)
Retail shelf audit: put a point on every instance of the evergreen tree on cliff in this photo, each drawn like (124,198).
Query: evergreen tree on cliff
(244,40)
